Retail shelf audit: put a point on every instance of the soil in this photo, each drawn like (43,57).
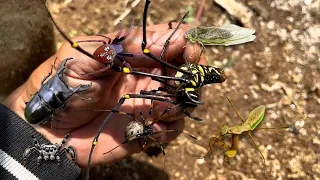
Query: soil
(280,69)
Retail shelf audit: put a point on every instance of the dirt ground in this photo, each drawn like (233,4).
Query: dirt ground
(280,69)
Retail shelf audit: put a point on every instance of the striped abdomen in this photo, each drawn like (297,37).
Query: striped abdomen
(202,75)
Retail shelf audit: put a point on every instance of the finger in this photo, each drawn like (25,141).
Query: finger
(155,43)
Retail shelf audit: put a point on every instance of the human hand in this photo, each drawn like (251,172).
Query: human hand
(107,88)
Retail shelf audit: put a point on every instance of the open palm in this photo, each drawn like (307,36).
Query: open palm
(107,88)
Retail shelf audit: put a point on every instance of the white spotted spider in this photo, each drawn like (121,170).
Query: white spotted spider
(143,130)
(49,152)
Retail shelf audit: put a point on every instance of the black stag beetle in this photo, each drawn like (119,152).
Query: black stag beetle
(52,95)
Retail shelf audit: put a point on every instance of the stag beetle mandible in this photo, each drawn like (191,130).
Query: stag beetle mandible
(52,95)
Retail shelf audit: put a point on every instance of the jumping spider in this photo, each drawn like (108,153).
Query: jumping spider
(49,152)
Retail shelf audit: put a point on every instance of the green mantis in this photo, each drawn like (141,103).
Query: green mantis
(228,34)
(254,118)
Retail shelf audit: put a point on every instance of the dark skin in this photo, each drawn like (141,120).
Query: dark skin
(106,90)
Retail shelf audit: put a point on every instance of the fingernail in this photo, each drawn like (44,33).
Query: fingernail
(160,37)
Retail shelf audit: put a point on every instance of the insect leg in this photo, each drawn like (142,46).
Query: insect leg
(144,43)
(62,67)
(216,141)
(255,144)
(234,108)
(174,31)
(53,67)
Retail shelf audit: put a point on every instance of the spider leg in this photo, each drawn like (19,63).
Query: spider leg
(126,54)
(66,137)
(109,39)
(27,153)
(121,101)
(164,82)
(159,143)
(96,40)
(71,151)
(146,51)
(124,62)
(174,31)
(190,116)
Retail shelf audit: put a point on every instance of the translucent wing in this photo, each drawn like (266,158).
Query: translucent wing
(256,116)
(227,35)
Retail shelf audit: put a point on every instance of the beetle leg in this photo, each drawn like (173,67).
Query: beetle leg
(53,67)
(45,78)
(62,67)
(82,98)
(82,88)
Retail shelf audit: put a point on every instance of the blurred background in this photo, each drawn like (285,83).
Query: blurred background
(280,69)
